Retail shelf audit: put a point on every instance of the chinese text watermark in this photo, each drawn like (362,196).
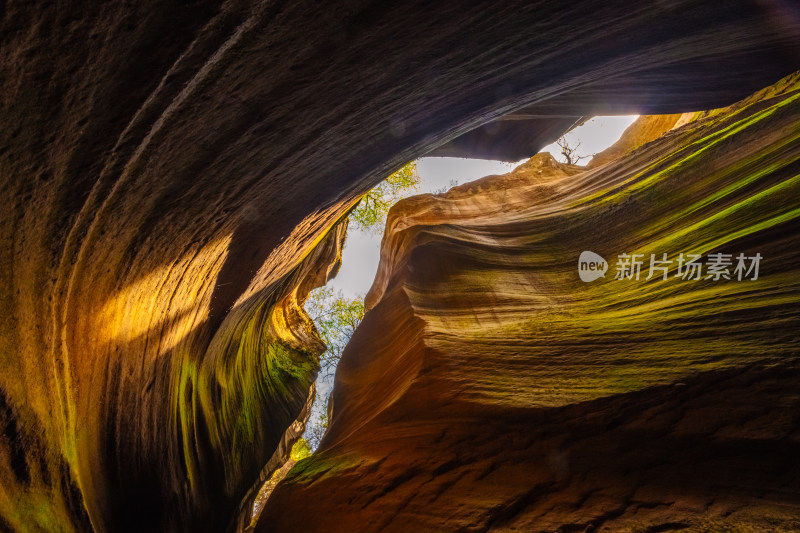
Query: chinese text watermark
(689,267)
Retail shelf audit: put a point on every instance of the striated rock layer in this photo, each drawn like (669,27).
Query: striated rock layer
(172,176)
(490,389)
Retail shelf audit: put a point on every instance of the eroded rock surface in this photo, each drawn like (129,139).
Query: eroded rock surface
(490,389)
(169,170)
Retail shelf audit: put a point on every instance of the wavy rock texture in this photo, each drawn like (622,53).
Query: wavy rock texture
(490,389)
(172,172)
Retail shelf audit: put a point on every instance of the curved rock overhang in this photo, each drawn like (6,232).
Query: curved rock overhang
(172,177)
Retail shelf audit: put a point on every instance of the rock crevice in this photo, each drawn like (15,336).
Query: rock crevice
(172,174)
(488,388)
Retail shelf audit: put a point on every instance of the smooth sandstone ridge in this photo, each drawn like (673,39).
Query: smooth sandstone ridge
(490,389)
(173,175)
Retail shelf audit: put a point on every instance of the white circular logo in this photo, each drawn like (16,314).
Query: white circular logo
(591,266)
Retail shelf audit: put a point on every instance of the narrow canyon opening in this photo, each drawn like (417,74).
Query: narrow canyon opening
(550,347)
(477,226)
(338,307)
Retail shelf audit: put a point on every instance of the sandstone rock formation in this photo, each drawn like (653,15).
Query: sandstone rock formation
(173,174)
(490,389)
(510,138)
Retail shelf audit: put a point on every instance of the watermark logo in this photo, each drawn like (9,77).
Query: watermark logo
(688,267)
(591,266)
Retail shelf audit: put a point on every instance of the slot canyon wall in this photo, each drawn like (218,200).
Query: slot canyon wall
(174,175)
(490,389)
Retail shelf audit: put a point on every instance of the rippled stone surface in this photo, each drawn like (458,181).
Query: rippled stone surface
(169,170)
(490,389)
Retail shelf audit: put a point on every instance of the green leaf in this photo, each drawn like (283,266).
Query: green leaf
(370,213)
